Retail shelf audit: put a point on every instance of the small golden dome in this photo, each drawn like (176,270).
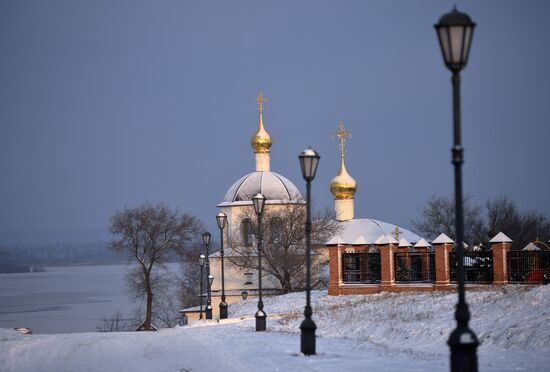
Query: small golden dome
(343,186)
(261,140)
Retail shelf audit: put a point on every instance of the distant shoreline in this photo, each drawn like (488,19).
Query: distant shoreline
(22,269)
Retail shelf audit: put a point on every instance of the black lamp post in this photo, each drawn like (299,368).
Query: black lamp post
(259,201)
(206,240)
(455,31)
(209,307)
(221,219)
(309,159)
(201,263)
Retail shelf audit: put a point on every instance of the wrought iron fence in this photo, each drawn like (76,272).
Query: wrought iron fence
(478,267)
(361,267)
(414,267)
(529,267)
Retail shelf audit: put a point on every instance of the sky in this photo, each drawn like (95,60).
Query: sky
(108,104)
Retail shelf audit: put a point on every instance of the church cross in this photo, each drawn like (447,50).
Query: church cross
(341,135)
(260,101)
(397,233)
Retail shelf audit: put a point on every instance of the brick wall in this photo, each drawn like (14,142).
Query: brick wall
(387,270)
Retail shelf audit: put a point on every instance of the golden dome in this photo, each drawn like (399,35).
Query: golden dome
(343,186)
(261,140)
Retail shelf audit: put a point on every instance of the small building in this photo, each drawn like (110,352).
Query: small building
(354,258)
(279,192)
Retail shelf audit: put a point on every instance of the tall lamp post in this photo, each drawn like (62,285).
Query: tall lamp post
(206,240)
(309,159)
(201,263)
(259,201)
(455,31)
(221,219)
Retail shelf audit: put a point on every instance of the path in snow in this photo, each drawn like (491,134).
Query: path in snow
(383,332)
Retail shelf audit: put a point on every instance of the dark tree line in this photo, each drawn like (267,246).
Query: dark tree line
(483,223)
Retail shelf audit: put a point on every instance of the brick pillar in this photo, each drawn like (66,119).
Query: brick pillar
(387,271)
(442,265)
(500,262)
(334,270)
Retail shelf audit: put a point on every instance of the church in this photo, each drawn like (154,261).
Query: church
(353,236)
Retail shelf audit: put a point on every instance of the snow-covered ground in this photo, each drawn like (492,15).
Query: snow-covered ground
(381,332)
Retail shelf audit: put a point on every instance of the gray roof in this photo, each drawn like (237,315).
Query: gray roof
(368,230)
(276,189)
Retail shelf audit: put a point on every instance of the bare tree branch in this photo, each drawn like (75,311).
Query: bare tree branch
(151,234)
(283,243)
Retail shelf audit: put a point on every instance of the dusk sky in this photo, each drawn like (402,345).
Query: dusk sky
(107,104)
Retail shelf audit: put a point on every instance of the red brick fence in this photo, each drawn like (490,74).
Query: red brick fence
(384,266)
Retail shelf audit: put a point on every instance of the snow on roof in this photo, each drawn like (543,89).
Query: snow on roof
(335,240)
(273,186)
(405,243)
(443,239)
(360,240)
(379,239)
(500,238)
(531,247)
(386,239)
(422,243)
(369,230)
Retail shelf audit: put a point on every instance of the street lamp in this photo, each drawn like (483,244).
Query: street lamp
(221,219)
(201,263)
(209,307)
(259,201)
(206,240)
(455,31)
(244,294)
(309,160)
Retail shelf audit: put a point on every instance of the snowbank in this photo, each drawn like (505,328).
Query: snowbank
(508,317)
(382,332)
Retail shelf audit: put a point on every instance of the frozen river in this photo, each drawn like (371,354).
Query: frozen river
(64,299)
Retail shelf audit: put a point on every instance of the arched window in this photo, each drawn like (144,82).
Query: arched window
(276,229)
(247,235)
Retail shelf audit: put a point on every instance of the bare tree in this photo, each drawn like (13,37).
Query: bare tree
(522,227)
(150,234)
(438,216)
(189,288)
(283,242)
(116,323)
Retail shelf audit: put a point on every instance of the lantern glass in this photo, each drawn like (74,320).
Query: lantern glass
(210,279)
(206,238)
(259,201)
(309,160)
(202,258)
(455,31)
(221,219)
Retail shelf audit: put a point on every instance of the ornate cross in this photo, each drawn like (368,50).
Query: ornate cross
(396,233)
(260,101)
(341,135)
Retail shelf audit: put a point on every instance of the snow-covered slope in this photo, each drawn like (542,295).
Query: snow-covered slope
(381,332)
(509,317)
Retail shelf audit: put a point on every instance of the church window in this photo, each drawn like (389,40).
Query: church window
(247,235)
(276,227)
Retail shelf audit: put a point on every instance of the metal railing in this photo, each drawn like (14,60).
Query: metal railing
(529,267)
(361,268)
(478,267)
(414,267)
